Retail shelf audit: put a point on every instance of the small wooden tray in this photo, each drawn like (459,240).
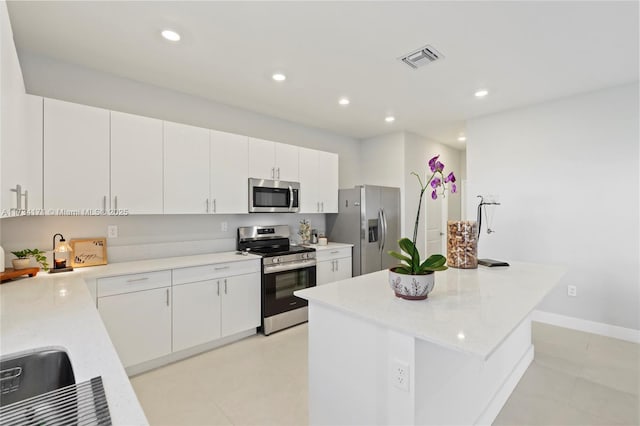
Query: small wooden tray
(11,273)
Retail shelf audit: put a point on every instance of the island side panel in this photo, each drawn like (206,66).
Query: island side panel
(349,369)
(457,388)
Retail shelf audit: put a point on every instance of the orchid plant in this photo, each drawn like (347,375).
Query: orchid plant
(411,263)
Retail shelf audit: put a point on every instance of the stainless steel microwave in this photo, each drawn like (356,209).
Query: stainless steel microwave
(273,196)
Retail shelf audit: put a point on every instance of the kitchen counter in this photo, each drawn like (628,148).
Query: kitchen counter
(59,310)
(453,358)
(330,246)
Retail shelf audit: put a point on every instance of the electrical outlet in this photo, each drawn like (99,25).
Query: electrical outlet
(400,375)
(224,226)
(112,231)
(572,291)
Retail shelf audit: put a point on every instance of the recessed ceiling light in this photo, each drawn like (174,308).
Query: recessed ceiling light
(344,101)
(462,138)
(279,77)
(481,93)
(170,35)
(389,119)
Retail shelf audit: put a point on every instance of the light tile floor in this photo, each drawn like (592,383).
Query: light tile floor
(576,379)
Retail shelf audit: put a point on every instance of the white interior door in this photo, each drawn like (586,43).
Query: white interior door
(436,228)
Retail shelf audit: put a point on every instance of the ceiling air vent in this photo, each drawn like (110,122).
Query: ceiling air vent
(421,57)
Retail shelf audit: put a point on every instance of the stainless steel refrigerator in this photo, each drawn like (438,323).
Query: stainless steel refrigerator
(369,218)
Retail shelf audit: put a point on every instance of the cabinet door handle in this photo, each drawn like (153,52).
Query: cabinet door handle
(115,202)
(225,286)
(18,191)
(221,268)
(104,203)
(26,200)
(278,172)
(333,266)
(337,265)
(273,173)
(318,207)
(214,205)
(137,280)
(218,292)
(335,252)
(322,206)
(167,297)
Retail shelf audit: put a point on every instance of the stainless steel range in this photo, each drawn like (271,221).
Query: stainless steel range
(285,269)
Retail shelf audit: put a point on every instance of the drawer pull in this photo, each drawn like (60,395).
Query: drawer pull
(167,297)
(335,252)
(221,268)
(138,280)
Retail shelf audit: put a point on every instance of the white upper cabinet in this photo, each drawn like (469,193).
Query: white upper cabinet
(22,156)
(328,170)
(136,163)
(229,173)
(318,181)
(186,169)
(76,156)
(309,181)
(273,160)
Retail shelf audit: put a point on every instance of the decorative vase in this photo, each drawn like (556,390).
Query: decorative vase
(411,287)
(462,244)
(20,263)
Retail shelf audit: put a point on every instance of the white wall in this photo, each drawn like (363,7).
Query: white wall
(567,176)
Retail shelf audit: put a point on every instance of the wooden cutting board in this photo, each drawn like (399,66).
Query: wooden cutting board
(11,273)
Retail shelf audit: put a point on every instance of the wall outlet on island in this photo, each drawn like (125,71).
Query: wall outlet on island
(112,231)
(400,375)
(572,291)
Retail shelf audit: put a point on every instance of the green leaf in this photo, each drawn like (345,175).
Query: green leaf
(403,270)
(399,256)
(434,261)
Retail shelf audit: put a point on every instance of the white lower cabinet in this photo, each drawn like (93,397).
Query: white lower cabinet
(196,314)
(240,303)
(333,265)
(208,310)
(138,320)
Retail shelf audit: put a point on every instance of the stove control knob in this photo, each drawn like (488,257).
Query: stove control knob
(276,260)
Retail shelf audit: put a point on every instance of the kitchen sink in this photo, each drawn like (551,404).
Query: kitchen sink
(26,375)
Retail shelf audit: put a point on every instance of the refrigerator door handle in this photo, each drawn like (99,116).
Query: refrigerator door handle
(380,230)
(384,228)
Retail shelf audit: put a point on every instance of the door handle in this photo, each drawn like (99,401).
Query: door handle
(384,228)
(322,206)
(115,202)
(278,173)
(225,286)
(273,173)
(318,207)
(104,203)
(290,195)
(218,291)
(380,229)
(214,205)
(337,265)
(207,206)
(333,266)
(167,297)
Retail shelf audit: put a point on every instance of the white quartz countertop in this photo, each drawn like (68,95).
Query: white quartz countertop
(471,310)
(330,246)
(165,263)
(58,311)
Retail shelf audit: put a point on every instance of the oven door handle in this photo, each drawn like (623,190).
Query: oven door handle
(272,269)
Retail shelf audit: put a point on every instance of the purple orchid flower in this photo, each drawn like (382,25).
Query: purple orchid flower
(435,182)
(434,195)
(450,178)
(439,166)
(453,188)
(432,163)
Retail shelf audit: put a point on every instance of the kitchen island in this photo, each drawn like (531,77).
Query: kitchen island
(451,359)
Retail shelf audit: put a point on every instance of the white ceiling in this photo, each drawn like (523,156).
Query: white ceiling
(522,52)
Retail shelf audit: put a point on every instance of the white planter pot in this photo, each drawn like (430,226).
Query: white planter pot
(411,287)
(20,263)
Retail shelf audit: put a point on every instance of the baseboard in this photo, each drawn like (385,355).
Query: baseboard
(617,332)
